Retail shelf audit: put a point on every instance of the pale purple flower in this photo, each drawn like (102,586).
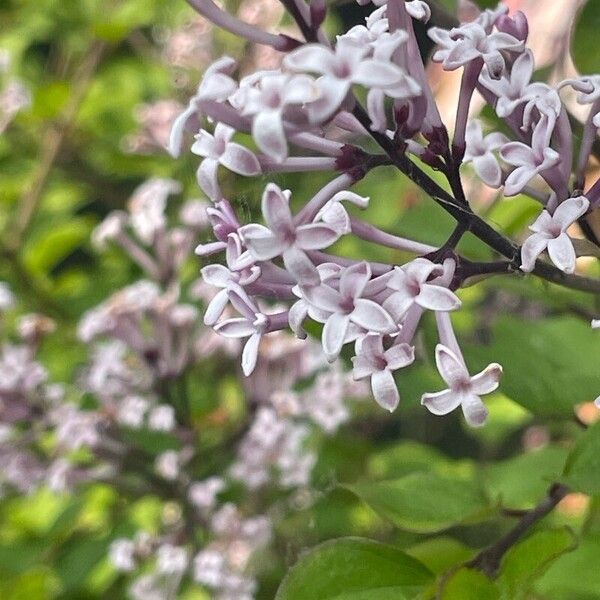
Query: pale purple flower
(461,45)
(530,161)
(348,306)
(588,87)
(463,390)
(121,554)
(283,238)
(220,276)
(252,324)
(480,151)
(378,364)
(595,323)
(171,560)
(348,64)
(161,418)
(218,149)
(410,284)
(266,99)
(216,85)
(147,207)
(203,494)
(167,465)
(550,233)
(419,10)
(132,411)
(512,89)
(543,102)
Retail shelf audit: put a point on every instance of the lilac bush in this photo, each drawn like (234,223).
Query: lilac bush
(308,116)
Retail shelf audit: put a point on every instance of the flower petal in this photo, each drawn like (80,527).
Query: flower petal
(216,307)
(562,253)
(235,328)
(450,366)
(474,409)
(268,133)
(533,246)
(354,279)
(441,403)
(334,333)
(436,297)
(296,316)
(207,179)
(300,266)
(371,316)
(384,389)
(487,381)
(569,211)
(310,57)
(488,169)
(276,210)
(216,275)
(399,356)
(315,236)
(250,354)
(240,160)
(333,91)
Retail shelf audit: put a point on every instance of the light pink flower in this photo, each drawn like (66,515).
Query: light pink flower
(216,85)
(283,238)
(463,390)
(480,151)
(376,363)
(223,277)
(252,325)
(411,285)
(219,149)
(512,89)
(346,307)
(464,44)
(551,235)
(266,98)
(530,161)
(348,64)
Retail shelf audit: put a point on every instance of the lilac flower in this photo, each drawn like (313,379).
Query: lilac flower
(463,390)
(340,68)
(171,560)
(7,298)
(346,307)
(512,90)
(550,233)
(219,149)
(461,45)
(253,324)
(266,98)
(480,152)
(122,555)
(161,418)
(530,161)
(411,285)
(283,237)
(222,277)
(376,363)
(588,87)
(216,85)
(595,323)
(203,494)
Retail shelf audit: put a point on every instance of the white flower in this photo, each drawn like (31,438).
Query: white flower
(161,418)
(463,390)
(171,560)
(550,233)
(121,555)
(480,151)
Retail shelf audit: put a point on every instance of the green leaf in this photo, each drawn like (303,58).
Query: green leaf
(467,584)
(521,481)
(550,365)
(525,562)
(425,502)
(441,553)
(582,470)
(354,569)
(584,48)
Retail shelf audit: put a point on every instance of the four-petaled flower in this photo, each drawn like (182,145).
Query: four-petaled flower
(530,161)
(283,238)
(480,151)
(551,234)
(512,90)
(464,44)
(376,363)
(346,307)
(252,325)
(236,272)
(340,68)
(410,284)
(266,98)
(219,149)
(463,390)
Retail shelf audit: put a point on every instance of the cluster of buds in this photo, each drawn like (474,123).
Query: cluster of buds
(304,117)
